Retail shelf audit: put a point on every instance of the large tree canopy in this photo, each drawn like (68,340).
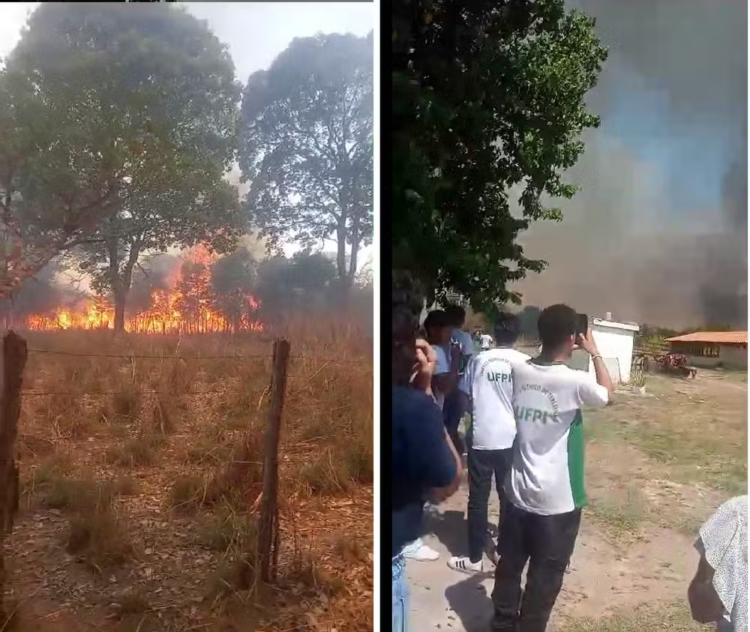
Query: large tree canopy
(488,104)
(138,106)
(306,146)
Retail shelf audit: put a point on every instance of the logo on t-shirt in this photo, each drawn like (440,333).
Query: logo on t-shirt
(536,404)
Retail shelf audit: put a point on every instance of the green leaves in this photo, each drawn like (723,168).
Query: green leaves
(123,125)
(306,145)
(488,108)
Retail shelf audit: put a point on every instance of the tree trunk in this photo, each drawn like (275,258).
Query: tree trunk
(121,301)
(344,281)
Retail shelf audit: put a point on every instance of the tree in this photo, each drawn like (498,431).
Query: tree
(304,282)
(488,103)
(306,146)
(154,225)
(232,284)
(153,91)
(56,180)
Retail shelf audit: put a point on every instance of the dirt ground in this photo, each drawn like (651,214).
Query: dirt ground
(658,464)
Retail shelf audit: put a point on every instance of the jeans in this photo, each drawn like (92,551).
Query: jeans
(452,419)
(482,465)
(400,618)
(547,543)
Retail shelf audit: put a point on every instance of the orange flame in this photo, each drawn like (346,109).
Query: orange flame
(185,307)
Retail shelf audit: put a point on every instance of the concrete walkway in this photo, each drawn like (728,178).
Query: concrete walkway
(443,599)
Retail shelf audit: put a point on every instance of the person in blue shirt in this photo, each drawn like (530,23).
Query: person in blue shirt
(425,463)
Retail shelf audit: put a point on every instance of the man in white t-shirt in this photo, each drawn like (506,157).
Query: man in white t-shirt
(545,487)
(487,390)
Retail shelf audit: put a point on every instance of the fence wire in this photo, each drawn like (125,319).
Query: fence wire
(245,356)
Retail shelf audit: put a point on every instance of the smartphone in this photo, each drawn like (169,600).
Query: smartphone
(583,324)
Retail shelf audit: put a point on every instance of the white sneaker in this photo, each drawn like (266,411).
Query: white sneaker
(465,565)
(420,552)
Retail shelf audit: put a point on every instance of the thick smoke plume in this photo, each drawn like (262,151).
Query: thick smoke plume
(627,245)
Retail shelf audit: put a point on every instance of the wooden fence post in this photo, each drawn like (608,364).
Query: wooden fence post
(268,533)
(15,354)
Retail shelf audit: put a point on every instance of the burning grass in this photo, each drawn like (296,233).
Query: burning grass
(149,456)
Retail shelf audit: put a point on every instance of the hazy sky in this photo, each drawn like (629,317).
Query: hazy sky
(255,33)
(658,231)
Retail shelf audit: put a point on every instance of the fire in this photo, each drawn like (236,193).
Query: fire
(187,305)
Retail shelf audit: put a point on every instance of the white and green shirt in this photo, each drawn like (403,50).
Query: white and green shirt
(548,456)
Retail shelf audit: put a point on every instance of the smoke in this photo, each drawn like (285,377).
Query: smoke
(635,241)
(154,274)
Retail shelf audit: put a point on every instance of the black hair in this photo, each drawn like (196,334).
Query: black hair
(436,319)
(406,306)
(456,315)
(557,323)
(507,329)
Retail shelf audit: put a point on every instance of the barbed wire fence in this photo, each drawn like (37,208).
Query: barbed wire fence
(15,355)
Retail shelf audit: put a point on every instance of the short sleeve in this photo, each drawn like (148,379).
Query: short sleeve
(592,394)
(464,384)
(442,365)
(430,460)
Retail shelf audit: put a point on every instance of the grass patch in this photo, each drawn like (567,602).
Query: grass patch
(97,533)
(350,550)
(99,538)
(78,495)
(138,452)
(187,493)
(675,618)
(325,475)
(54,467)
(621,516)
(125,405)
(228,531)
(697,438)
(307,571)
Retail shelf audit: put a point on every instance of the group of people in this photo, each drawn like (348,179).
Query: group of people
(526,432)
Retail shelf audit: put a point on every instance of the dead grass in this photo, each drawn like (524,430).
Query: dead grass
(138,452)
(308,572)
(675,618)
(160,459)
(100,538)
(698,429)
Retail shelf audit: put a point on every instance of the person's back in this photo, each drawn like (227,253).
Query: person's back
(490,387)
(547,476)
(545,491)
(421,460)
(487,390)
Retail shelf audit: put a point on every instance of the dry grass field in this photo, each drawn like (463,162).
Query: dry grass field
(141,473)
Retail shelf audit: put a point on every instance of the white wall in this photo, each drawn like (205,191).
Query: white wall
(616,346)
